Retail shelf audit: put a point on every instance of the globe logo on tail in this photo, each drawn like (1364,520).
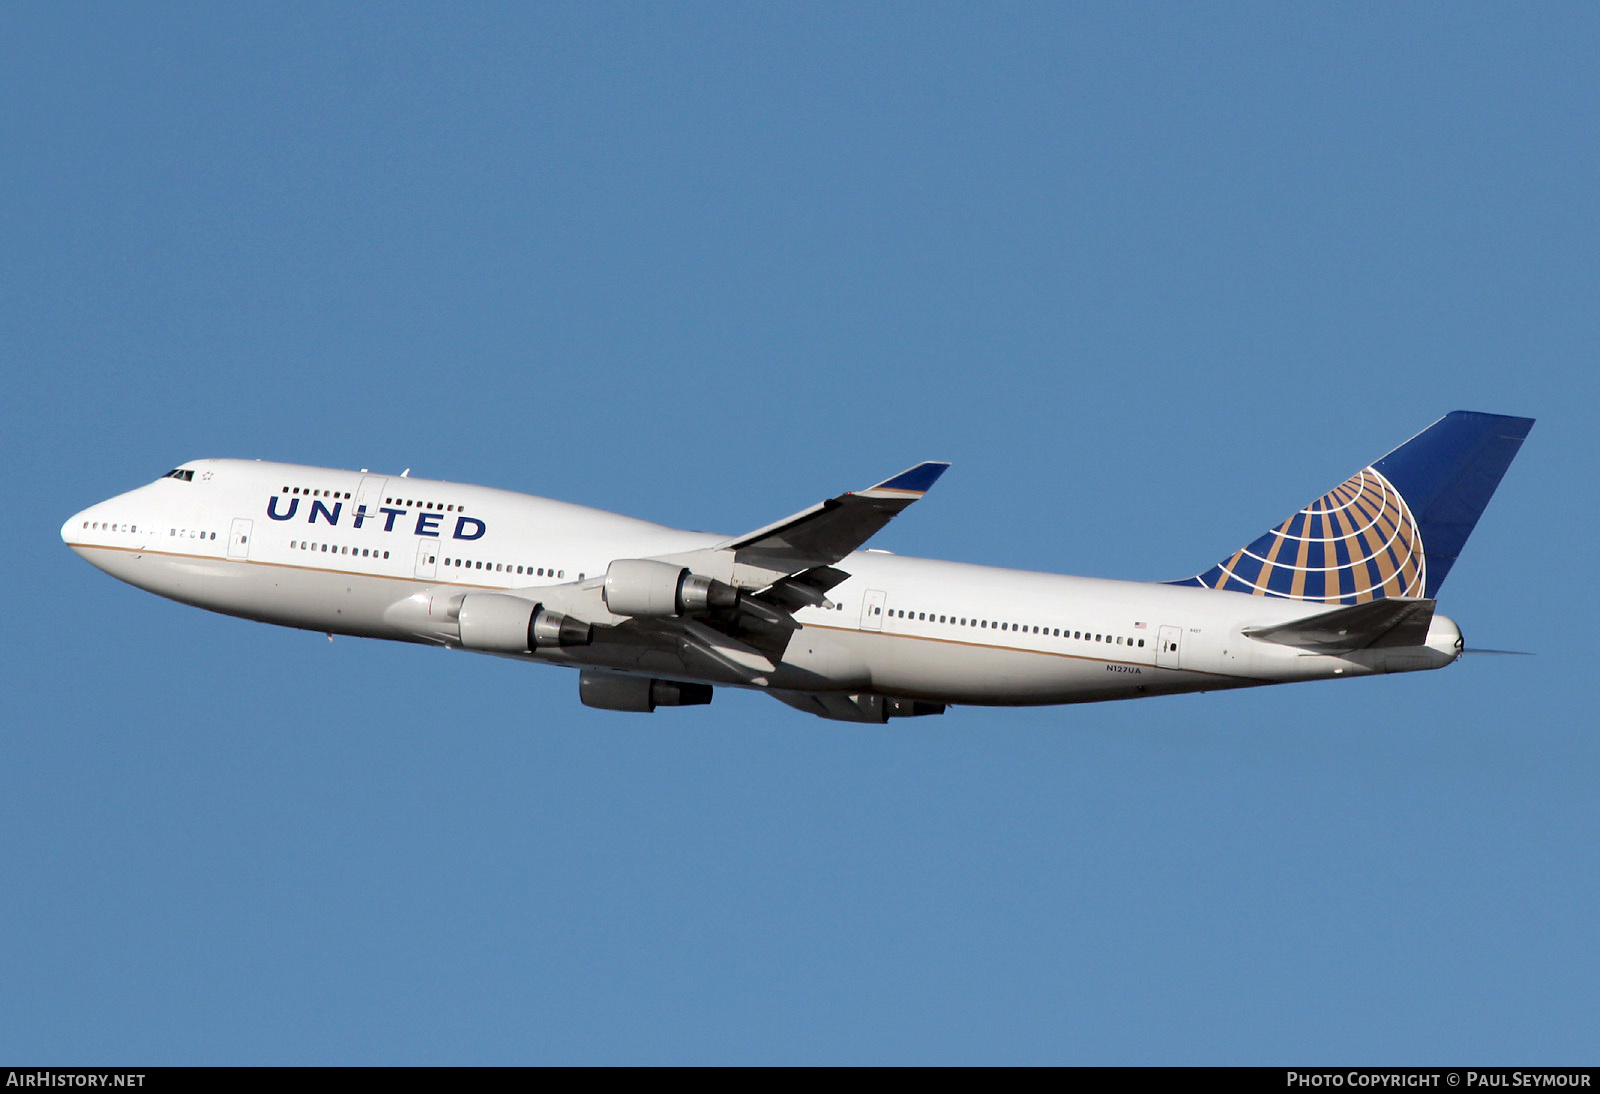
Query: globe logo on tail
(1358,542)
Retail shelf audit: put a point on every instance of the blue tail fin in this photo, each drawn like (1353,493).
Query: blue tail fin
(1391,529)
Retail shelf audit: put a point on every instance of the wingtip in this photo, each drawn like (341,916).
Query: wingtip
(915,480)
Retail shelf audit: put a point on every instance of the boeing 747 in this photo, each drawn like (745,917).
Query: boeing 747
(654,616)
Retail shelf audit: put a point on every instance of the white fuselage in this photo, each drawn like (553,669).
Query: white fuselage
(353,553)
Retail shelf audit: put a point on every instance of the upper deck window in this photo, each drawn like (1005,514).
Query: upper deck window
(180,474)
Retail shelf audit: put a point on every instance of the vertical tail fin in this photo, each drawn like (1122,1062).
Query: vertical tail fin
(1391,529)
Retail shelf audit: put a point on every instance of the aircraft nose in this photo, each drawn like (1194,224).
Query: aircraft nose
(72,530)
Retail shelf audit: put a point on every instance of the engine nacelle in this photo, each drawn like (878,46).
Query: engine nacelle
(510,624)
(646,587)
(639,694)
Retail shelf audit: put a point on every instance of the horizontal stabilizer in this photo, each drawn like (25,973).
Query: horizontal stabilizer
(1392,621)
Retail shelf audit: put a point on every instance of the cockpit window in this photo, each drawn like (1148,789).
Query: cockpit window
(180,474)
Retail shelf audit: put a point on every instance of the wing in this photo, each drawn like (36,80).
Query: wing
(823,534)
(777,571)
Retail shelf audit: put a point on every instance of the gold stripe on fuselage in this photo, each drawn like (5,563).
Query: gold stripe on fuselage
(413,580)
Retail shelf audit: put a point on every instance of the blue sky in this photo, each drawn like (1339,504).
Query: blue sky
(1150,276)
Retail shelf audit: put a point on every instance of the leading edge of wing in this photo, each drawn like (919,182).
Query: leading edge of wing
(830,530)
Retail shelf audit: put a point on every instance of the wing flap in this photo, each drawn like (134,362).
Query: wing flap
(834,706)
(806,589)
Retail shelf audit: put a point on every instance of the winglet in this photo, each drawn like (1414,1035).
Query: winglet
(915,481)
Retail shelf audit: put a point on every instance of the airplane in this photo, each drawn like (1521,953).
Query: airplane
(801,609)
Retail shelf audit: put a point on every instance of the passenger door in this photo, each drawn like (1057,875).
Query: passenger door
(1167,647)
(370,495)
(427,558)
(239,539)
(872,610)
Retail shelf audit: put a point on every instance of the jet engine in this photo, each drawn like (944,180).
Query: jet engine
(646,587)
(510,624)
(620,691)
